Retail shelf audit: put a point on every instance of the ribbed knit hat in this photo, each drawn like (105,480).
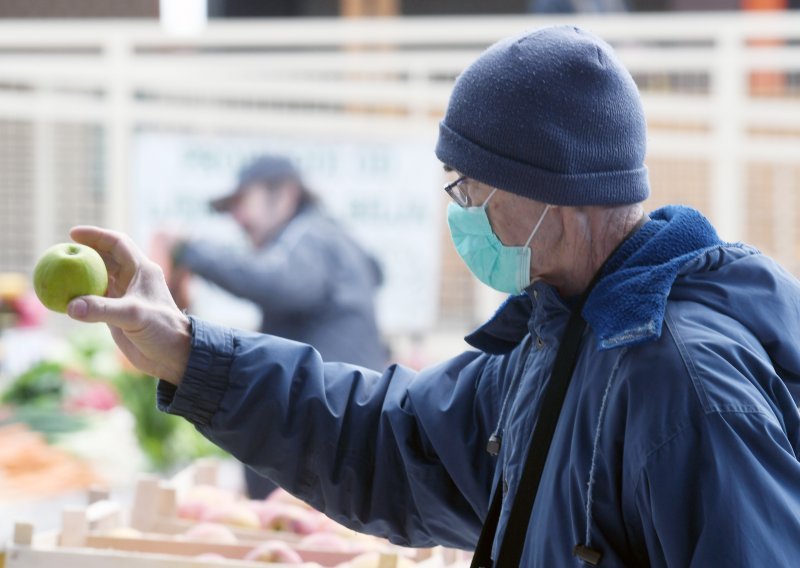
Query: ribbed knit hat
(551,115)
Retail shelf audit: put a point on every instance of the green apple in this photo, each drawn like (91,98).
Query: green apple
(66,271)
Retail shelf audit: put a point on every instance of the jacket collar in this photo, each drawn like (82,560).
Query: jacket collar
(627,304)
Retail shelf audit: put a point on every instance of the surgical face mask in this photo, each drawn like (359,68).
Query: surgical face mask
(504,268)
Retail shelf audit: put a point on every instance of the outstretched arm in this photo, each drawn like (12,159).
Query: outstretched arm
(397,453)
(284,278)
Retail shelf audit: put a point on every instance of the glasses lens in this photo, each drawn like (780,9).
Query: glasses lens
(456,191)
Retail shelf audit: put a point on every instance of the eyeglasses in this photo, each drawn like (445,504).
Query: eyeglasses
(457,193)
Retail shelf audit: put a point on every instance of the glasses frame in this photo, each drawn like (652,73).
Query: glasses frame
(461,197)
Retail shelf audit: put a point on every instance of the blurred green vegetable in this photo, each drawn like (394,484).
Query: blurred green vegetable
(41,385)
(41,397)
(49,419)
(167,440)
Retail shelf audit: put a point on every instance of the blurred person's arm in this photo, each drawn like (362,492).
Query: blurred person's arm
(397,453)
(160,251)
(280,279)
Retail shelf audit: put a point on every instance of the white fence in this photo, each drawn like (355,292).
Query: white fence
(722,94)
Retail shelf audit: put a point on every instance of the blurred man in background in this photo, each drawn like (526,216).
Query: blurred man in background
(312,282)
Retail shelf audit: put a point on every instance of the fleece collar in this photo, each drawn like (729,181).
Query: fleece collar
(627,304)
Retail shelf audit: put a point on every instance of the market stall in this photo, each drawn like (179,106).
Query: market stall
(92,473)
(193,520)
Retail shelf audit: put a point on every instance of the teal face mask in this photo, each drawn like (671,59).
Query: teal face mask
(504,268)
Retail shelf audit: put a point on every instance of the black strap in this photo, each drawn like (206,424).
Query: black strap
(538,447)
(483,551)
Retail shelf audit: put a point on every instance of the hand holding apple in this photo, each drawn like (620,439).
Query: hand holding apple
(66,271)
(145,323)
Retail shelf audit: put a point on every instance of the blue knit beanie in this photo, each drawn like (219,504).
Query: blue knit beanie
(551,115)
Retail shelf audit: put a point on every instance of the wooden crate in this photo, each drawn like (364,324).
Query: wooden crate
(155,510)
(72,546)
(155,504)
(84,542)
(97,535)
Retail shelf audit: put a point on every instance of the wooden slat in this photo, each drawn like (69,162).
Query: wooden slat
(163,545)
(23,534)
(22,557)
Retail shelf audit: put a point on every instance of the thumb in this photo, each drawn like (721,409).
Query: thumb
(118,312)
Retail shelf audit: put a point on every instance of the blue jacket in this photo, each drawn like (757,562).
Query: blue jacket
(677,444)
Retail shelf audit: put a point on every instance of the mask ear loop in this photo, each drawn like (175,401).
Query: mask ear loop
(525,263)
(538,224)
(486,201)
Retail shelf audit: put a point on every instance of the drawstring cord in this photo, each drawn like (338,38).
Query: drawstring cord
(496,439)
(586,550)
(583,551)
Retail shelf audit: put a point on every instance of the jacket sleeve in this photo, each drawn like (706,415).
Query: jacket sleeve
(281,279)
(397,454)
(723,492)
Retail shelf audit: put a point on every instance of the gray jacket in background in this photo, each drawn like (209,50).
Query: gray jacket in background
(313,283)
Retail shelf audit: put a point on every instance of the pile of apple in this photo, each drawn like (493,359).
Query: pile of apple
(218,512)
(279,512)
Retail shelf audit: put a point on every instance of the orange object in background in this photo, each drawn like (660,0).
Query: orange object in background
(766,83)
(12,285)
(765,4)
(31,468)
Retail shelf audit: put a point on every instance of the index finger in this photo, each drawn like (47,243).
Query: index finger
(118,246)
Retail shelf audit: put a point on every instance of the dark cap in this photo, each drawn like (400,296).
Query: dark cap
(266,169)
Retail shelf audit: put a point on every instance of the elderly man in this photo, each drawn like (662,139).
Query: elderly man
(676,442)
